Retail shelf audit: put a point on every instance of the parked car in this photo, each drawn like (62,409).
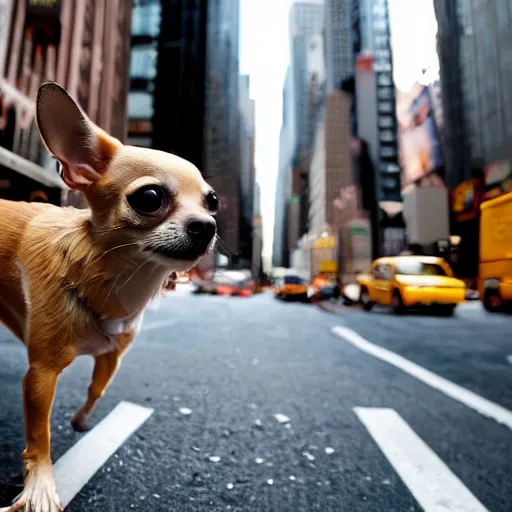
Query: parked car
(291,287)
(320,289)
(404,282)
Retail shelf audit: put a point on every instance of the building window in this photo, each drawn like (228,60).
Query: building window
(381,24)
(385,93)
(389,168)
(385,107)
(140,105)
(387,152)
(387,136)
(384,79)
(382,67)
(143,62)
(381,41)
(385,122)
(389,183)
(146,18)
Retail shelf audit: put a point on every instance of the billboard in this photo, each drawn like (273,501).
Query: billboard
(497,179)
(465,200)
(419,133)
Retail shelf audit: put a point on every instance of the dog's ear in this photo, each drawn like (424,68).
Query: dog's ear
(83,149)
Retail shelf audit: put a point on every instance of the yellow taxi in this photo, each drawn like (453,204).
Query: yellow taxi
(411,281)
(291,287)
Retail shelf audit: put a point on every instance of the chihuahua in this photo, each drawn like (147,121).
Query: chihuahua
(76,282)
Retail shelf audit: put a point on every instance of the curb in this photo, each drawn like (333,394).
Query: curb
(336,310)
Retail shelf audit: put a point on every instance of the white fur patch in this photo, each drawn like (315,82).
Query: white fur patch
(26,296)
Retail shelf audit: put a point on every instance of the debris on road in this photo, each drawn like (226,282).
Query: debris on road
(214,458)
(329,450)
(230,486)
(185,411)
(281,418)
(270,481)
(259,460)
(309,456)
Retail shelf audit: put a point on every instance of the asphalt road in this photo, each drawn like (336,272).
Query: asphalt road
(234,363)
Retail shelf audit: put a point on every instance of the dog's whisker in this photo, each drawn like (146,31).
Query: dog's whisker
(110,291)
(134,272)
(117,247)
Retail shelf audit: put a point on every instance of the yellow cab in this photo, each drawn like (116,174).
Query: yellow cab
(411,281)
(291,287)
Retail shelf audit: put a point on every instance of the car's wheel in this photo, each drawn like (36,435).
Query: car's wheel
(492,301)
(365,300)
(347,301)
(397,303)
(447,309)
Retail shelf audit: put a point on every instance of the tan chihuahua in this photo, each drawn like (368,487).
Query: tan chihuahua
(76,282)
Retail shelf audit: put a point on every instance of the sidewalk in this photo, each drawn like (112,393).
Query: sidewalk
(336,307)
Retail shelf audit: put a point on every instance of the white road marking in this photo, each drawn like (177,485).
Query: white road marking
(463,395)
(79,464)
(435,487)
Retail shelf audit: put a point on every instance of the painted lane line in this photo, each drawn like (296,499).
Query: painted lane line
(434,486)
(462,395)
(79,464)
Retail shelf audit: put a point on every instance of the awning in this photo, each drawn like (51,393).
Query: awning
(30,169)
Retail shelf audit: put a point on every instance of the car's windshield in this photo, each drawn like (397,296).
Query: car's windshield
(418,268)
(293,280)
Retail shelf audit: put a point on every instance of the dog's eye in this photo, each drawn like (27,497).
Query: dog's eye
(148,199)
(212,201)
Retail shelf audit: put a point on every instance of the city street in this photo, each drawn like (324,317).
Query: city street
(251,404)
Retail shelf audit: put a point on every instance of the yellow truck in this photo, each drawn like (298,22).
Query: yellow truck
(495,261)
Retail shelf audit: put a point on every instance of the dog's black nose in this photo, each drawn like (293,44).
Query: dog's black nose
(201,229)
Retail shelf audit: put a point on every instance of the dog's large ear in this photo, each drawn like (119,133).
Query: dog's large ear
(83,149)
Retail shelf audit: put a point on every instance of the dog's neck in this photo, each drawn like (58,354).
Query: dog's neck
(115,282)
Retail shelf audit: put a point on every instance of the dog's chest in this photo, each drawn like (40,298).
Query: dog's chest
(110,335)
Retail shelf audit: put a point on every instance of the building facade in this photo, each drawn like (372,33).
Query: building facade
(475,50)
(247,170)
(221,154)
(305,29)
(284,193)
(84,46)
(339,58)
(184,96)
(375,120)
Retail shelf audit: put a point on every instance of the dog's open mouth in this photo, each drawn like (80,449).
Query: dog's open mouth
(183,253)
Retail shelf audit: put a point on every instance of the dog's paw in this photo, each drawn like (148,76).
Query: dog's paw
(39,494)
(79,422)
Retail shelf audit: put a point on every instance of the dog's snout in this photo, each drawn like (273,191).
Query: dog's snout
(201,229)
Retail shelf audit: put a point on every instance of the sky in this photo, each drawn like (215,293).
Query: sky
(264,56)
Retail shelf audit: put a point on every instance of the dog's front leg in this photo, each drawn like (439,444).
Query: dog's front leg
(105,367)
(40,493)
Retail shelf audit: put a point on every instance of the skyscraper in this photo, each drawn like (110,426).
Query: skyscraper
(247,170)
(221,157)
(184,90)
(375,117)
(339,57)
(305,23)
(280,254)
